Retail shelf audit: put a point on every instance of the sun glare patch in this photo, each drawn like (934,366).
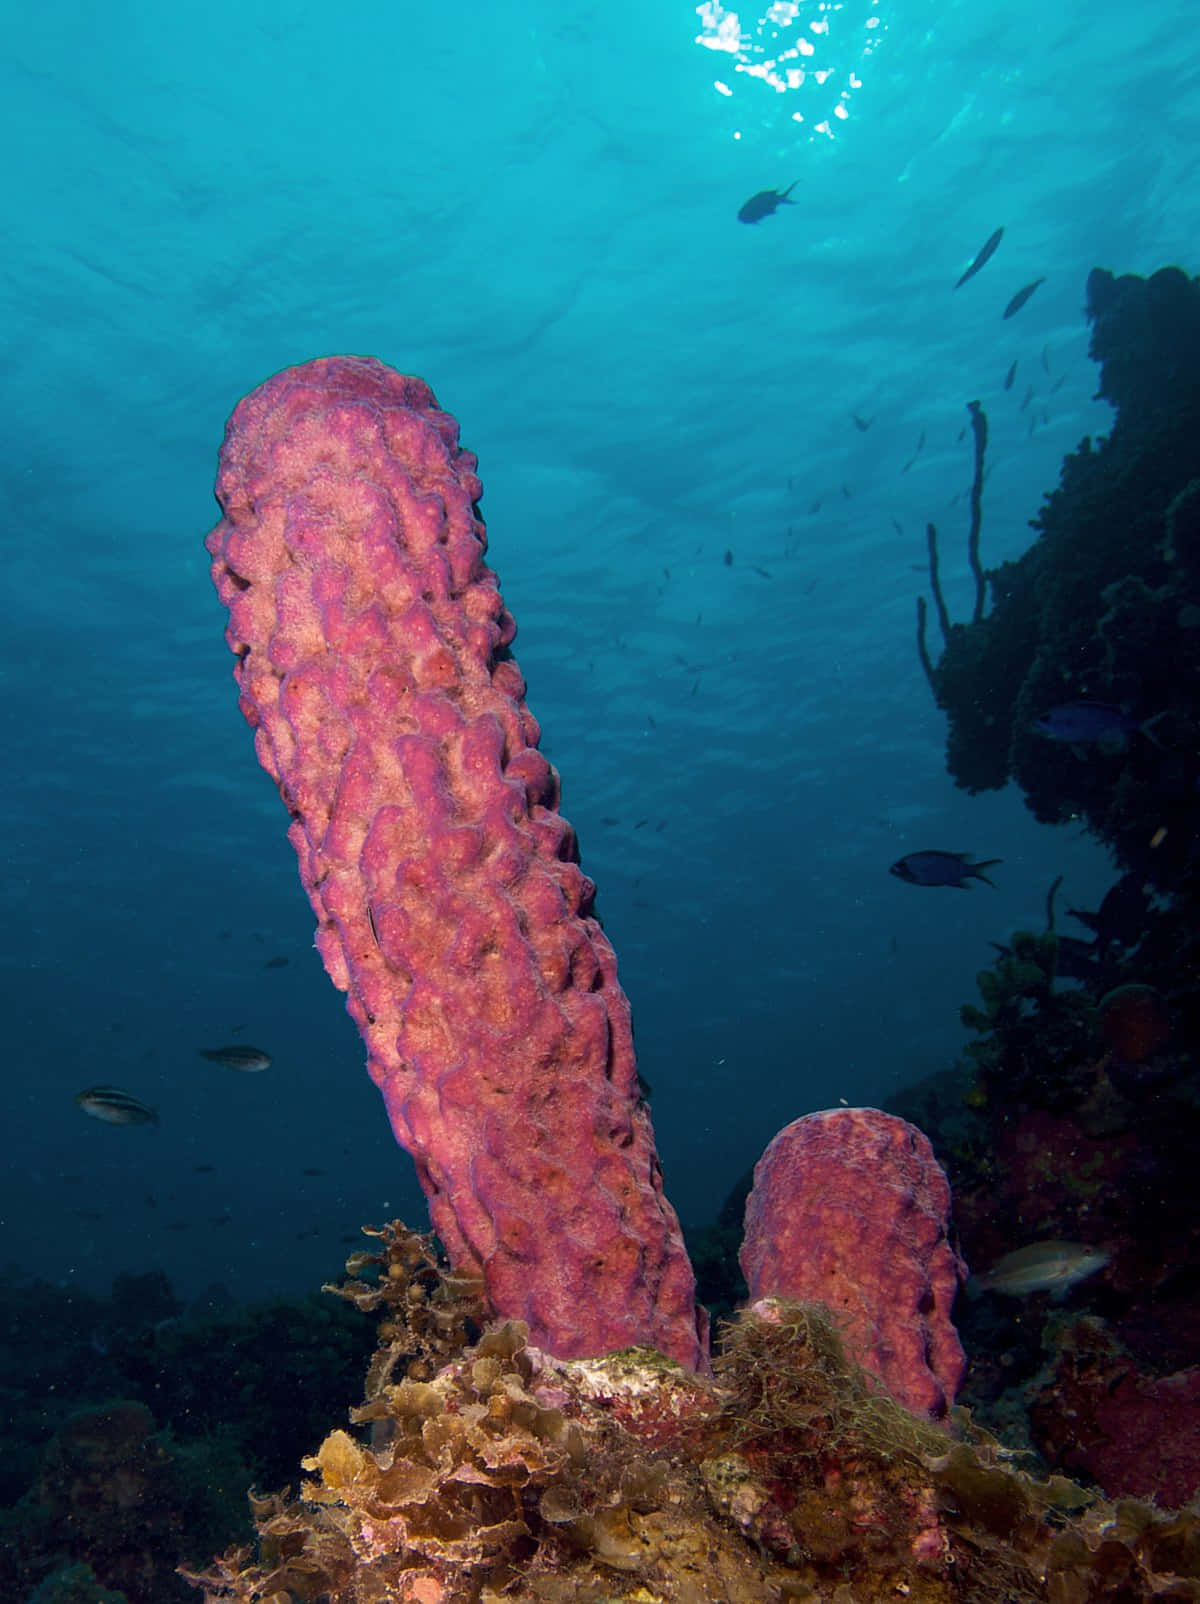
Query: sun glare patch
(809,49)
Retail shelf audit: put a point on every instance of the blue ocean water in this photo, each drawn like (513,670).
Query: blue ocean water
(712,565)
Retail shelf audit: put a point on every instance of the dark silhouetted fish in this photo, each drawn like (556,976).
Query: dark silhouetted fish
(916,453)
(115,1107)
(1010,376)
(1019,299)
(765,202)
(1087,723)
(941,869)
(246,1058)
(1120,920)
(981,260)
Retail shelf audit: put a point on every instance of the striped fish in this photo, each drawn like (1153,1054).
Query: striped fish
(248,1059)
(115,1107)
(1053,1267)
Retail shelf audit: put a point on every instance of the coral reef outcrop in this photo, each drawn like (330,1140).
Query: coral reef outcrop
(499,1472)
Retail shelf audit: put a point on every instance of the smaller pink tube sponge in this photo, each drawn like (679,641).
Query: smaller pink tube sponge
(851,1209)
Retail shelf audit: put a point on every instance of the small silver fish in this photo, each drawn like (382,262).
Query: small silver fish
(248,1059)
(1053,1267)
(115,1107)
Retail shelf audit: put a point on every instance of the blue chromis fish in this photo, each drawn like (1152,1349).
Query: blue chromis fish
(1022,295)
(941,869)
(1088,723)
(765,202)
(984,255)
(250,1060)
(1053,1267)
(115,1107)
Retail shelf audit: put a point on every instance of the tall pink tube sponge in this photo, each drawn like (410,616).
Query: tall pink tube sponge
(373,665)
(850,1208)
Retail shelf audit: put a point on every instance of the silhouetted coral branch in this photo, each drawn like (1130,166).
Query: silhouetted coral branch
(980,430)
(935,584)
(922,649)
(1050,896)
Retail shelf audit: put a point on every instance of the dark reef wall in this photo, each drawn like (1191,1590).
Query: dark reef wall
(1074,1117)
(1105,605)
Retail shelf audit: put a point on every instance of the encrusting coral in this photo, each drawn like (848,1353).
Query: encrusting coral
(495,1471)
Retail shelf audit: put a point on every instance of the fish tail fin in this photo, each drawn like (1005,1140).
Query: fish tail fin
(784,193)
(978,868)
(1148,731)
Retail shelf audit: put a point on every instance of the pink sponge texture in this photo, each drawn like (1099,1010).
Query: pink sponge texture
(375,671)
(851,1209)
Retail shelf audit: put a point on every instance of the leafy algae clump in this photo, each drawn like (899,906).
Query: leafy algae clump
(497,1472)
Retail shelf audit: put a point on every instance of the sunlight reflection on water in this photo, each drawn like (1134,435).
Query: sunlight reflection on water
(810,49)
